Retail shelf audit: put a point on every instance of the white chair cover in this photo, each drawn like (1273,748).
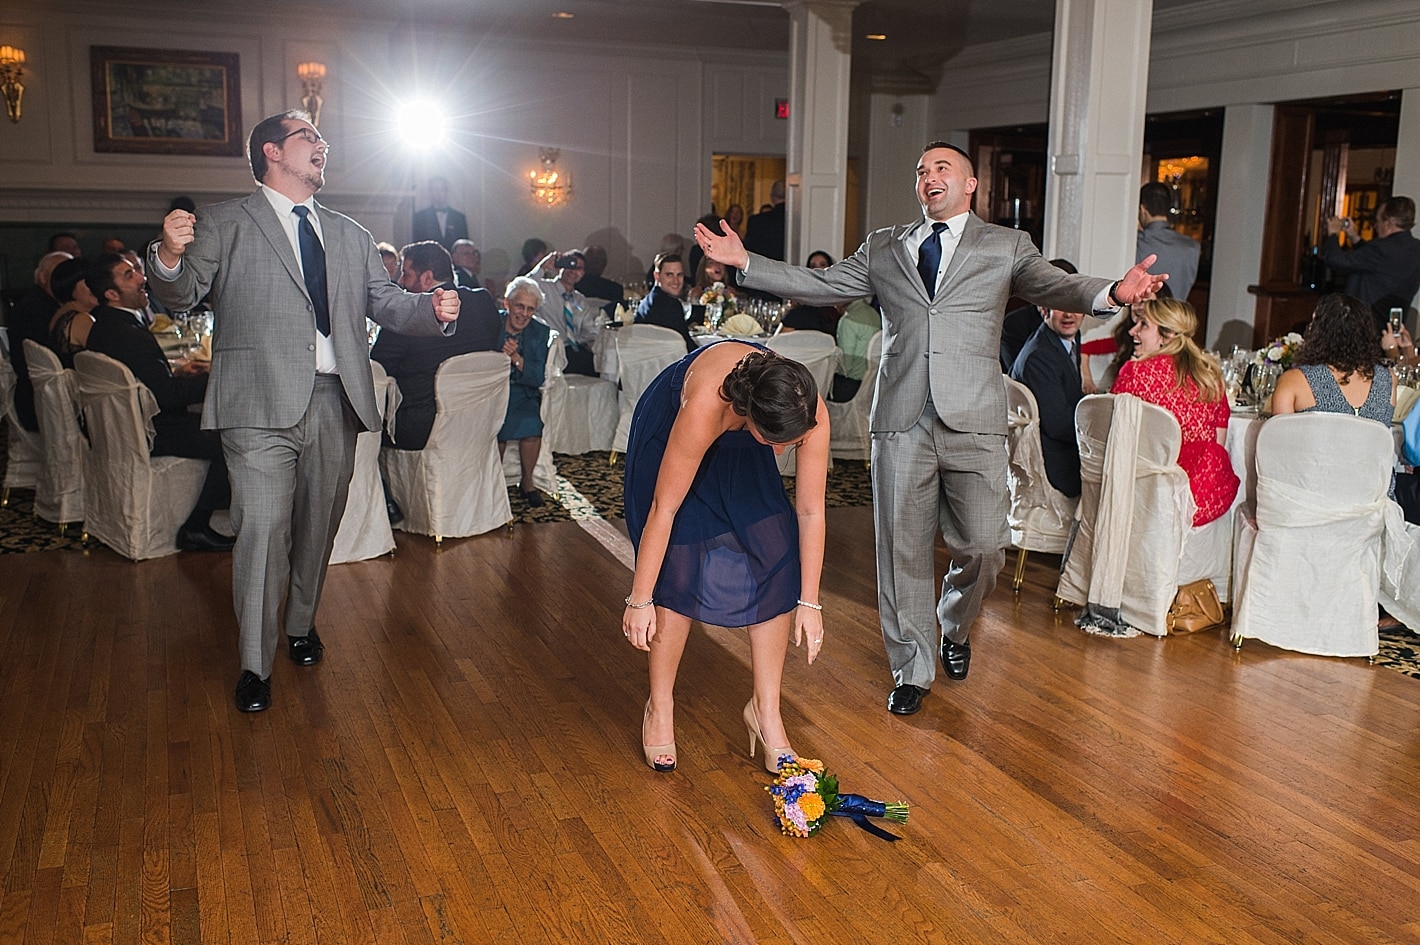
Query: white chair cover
(1135,511)
(454,487)
(582,414)
(850,437)
(59,493)
(24,453)
(818,352)
(545,473)
(1040,516)
(1400,569)
(642,352)
(365,524)
(133,502)
(1312,578)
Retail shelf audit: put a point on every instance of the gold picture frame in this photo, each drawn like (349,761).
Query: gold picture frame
(166,101)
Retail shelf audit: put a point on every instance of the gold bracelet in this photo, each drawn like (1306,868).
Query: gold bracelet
(641,606)
(818,607)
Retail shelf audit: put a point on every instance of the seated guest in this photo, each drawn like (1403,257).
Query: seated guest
(1021,323)
(1170,371)
(1119,343)
(69,328)
(661,306)
(860,322)
(412,361)
(594,285)
(804,317)
(525,341)
(390,257)
(468,263)
(566,310)
(30,319)
(707,274)
(66,243)
(118,333)
(1049,365)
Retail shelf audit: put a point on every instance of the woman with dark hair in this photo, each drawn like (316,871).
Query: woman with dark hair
(1340,367)
(1169,370)
(69,327)
(716,537)
(818,259)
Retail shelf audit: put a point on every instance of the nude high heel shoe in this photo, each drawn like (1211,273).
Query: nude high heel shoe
(652,751)
(772,755)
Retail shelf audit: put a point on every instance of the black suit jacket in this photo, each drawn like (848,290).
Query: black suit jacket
(764,234)
(426,227)
(659,308)
(1044,366)
(1386,269)
(29,319)
(1019,325)
(413,360)
(116,333)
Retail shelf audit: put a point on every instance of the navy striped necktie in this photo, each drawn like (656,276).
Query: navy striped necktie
(929,258)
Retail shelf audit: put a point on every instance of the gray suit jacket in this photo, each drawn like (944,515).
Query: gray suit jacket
(263,338)
(949,344)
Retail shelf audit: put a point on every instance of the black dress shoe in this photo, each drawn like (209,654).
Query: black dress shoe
(533,499)
(905,699)
(306,650)
(253,692)
(205,538)
(956,657)
(393,510)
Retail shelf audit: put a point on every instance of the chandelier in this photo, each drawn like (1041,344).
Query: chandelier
(549,186)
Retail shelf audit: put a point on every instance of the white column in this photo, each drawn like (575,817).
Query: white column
(820,43)
(1099,79)
(1242,216)
(1407,147)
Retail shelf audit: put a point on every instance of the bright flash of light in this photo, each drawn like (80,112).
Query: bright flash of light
(422,124)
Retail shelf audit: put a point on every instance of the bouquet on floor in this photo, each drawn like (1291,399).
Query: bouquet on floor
(805,795)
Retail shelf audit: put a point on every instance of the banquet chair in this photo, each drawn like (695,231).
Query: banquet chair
(454,486)
(24,452)
(848,421)
(59,492)
(579,412)
(1040,515)
(365,530)
(1134,514)
(817,351)
(1309,579)
(642,352)
(133,502)
(545,472)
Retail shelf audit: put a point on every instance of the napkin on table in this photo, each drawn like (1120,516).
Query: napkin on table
(161,323)
(741,324)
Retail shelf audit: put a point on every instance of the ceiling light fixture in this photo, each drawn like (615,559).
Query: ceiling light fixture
(549,187)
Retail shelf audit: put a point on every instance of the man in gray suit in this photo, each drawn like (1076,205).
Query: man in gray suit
(291,284)
(939,414)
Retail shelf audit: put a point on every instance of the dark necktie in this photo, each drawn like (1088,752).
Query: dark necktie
(1075,354)
(929,258)
(313,268)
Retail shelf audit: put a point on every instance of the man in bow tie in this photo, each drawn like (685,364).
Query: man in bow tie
(939,418)
(290,283)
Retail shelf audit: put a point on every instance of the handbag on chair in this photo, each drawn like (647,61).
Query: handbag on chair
(1195,607)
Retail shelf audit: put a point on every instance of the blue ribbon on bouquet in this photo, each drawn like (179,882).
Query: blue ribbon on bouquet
(858,809)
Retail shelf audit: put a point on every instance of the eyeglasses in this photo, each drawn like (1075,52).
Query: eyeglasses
(306,135)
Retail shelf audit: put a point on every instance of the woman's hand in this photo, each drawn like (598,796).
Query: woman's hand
(638,625)
(809,623)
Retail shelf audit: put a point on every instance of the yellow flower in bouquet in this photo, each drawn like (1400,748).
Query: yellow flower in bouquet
(715,295)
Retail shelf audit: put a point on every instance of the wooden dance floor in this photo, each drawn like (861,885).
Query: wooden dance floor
(464,767)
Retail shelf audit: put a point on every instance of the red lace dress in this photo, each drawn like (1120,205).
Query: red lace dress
(1210,471)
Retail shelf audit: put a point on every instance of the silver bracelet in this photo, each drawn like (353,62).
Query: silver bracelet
(641,606)
(818,607)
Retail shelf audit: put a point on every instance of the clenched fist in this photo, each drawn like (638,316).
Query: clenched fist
(178,228)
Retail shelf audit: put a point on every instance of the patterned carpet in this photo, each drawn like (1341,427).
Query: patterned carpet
(589,487)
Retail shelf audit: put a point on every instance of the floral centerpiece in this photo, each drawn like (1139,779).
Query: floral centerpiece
(805,795)
(1280,352)
(715,295)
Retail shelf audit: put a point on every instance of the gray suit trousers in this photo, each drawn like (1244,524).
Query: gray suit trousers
(924,478)
(288,495)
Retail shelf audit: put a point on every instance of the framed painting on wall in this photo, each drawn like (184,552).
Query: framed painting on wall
(166,101)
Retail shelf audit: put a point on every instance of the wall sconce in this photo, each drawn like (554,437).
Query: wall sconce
(312,74)
(548,186)
(11,60)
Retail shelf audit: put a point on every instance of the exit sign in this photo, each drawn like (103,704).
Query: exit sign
(781,109)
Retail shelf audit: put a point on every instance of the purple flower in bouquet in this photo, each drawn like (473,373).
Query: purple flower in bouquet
(805,795)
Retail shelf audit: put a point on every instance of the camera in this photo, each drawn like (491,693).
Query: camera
(568,261)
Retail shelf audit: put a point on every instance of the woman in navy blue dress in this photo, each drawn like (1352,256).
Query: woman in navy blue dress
(716,537)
